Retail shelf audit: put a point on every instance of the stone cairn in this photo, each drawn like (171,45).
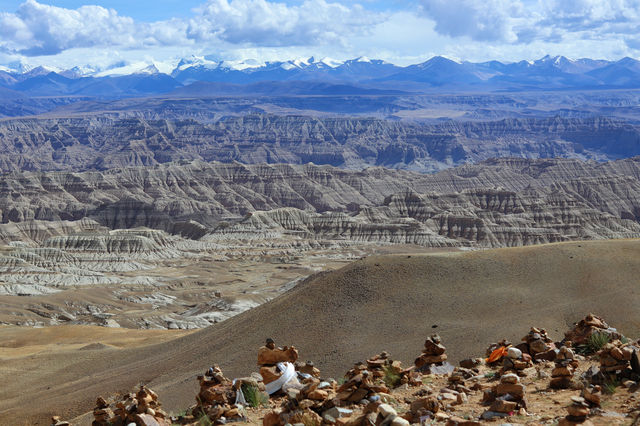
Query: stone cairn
(325,401)
(141,408)
(496,351)
(307,368)
(565,365)
(360,385)
(593,395)
(578,413)
(458,377)
(505,398)
(433,354)
(217,397)
(538,345)
(306,399)
(269,356)
(378,365)
(515,361)
(303,405)
(425,407)
(615,358)
(580,333)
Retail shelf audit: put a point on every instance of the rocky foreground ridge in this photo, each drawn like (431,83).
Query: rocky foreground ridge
(389,302)
(593,372)
(503,202)
(101,142)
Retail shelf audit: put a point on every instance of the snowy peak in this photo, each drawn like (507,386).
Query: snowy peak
(150,70)
(78,72)
(38,71)
(195,61)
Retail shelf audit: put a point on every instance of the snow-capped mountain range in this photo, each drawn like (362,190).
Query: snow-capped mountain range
(438,73)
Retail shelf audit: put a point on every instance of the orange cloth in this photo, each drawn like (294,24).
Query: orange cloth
(497,354)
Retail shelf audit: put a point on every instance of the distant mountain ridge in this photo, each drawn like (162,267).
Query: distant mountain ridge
(436,74)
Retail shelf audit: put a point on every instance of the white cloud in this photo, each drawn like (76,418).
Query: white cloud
(39,29)
(275,30)
(525,21)
(265,23)
(481,20)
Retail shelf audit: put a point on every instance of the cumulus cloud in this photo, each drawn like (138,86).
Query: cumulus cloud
(265,23)
(481,20)
(274,29)
(588,14)
(38,29)
(525,21)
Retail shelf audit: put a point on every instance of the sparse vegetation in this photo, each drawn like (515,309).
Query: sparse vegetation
(204,420)
(609,387)
(595,342)
(391,378)
(254,397)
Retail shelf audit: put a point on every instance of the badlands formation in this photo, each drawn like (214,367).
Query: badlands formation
(143,248)
(186,245)
(110,139)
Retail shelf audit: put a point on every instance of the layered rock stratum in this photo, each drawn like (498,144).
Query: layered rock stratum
(503,202)
(103,141)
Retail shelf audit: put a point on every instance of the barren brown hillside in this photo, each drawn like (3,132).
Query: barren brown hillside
(385,302)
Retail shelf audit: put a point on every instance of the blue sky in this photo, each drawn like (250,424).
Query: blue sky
(149,11)
(64,33)
(141,10)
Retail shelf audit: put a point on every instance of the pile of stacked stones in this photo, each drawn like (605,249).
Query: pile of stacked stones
(578,413)
(497,348)
(309,398)
(538,344)
(458,376)
(565,366)
(141,409)
(505,398)
(423,408)
(359,386)
(382,365)
(515,361)
(269,356)
(306,405)
(432,354)
(615,357)
(307,368)
(593,395)
(582,331)
(378,365)
(217,396)
(457,391)
(324,401)
(102,414)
